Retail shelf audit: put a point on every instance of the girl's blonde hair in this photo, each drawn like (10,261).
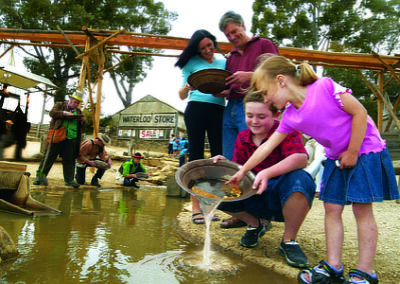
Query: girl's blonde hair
(273,65)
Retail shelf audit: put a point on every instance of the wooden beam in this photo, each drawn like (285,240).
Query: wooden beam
(378,93)
(390,68)
(70,43)
(7,50)
(99,43)
(359,60)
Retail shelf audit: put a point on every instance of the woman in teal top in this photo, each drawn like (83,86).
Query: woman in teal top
(204,112)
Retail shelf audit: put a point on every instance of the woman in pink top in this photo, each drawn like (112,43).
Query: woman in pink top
(358,170)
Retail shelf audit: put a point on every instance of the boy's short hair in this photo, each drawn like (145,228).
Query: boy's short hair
(253,97)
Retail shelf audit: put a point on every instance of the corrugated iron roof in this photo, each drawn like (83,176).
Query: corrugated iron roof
(16,77)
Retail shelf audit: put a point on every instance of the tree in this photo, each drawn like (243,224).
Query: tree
(128,74)
(334,25)
(339,25)
(59,64)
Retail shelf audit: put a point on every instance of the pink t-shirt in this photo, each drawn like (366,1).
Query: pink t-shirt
(322,117)
(245,147)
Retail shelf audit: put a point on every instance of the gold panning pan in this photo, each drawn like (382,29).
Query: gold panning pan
(203,178)
(209,81)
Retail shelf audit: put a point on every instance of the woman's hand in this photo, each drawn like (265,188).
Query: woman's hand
(184,91)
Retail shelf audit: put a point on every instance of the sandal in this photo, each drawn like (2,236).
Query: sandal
(322,273)
(366,277)
(215,218)
(232,223)
(198,220)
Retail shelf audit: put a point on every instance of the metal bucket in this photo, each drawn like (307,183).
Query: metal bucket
(196,171)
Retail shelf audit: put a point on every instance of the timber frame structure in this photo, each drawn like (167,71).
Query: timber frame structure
(108,41)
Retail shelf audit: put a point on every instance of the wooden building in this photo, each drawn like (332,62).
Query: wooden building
(150,119)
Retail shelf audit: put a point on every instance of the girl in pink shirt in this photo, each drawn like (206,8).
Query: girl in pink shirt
(358,170)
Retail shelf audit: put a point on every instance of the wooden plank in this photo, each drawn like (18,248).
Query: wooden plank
(9,166)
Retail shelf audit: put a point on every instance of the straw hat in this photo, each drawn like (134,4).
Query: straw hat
(104,138)
(78,95)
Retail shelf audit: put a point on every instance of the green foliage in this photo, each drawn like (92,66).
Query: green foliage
(360,25)
(59,64)
(108,121)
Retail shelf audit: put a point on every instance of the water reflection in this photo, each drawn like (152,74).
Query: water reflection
(109,236)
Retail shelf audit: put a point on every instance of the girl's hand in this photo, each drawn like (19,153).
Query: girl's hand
(236,178)
(348,160)
(261,181)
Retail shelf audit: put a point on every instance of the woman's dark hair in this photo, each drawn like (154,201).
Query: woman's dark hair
(192,48)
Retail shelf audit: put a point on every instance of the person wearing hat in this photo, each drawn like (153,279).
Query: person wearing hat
(89,150)
(130,168)
(68,115)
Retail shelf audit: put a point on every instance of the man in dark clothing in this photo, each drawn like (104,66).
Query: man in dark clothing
(67,115)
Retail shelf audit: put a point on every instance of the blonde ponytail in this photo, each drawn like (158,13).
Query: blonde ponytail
(273,66)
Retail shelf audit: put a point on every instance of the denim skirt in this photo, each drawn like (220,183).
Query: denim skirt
(371,180)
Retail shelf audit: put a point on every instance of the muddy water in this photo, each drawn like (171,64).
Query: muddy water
(112,236)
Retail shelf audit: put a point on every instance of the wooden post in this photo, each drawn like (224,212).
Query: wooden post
(380,103)
(381,98)
(98,100)
(85,62)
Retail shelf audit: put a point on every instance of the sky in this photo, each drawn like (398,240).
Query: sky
(163,79)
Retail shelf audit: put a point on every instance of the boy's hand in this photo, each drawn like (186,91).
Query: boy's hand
(217,158)
(261,181)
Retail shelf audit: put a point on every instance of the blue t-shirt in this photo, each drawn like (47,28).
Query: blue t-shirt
(196,63)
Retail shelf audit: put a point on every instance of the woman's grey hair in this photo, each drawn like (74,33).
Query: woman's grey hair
(230,17)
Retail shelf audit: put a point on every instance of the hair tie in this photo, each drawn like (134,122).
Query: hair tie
(298,69)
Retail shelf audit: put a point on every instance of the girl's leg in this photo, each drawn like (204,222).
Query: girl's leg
(334,243)
(367,231)
(334,233)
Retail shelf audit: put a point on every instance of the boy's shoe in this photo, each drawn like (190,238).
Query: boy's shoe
(71,183)
(293,254)
(250,238)
(134,184)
